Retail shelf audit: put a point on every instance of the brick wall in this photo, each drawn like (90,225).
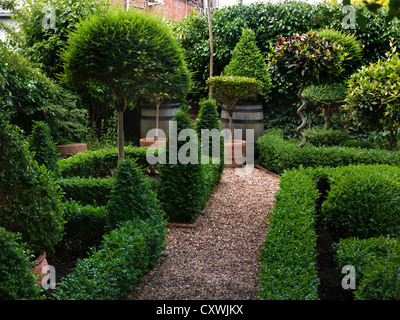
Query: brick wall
(170,9)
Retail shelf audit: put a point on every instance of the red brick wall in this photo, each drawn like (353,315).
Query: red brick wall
(170,9)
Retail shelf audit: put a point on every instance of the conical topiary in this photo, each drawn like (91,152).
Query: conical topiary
(248,61)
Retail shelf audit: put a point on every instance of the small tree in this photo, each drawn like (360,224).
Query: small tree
(248,61)
(326,98)
(305,59)
(373,98)
(230,90)
(121,51)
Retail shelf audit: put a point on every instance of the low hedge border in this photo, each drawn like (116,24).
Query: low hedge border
(91,191)
(288,259)
(100,163)
(277,155)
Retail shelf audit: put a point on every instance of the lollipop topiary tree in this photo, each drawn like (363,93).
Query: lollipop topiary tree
(122,51)
(306,59)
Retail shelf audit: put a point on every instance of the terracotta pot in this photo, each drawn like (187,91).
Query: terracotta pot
(147,142)
(232,161)
(70,149)
(42,262)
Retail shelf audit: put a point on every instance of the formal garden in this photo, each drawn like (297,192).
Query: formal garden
(321,101)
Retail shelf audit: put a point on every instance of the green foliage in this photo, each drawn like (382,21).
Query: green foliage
(85,226)
(132,196)
(325,96)
(30,199)
(306,58)
(376,276)
(43,46)
(100,163)
(350,45)
(291,235)
(248,61)
(43,147)
(93,191)
(373,96)
(17,279)
(230,90)
(279,155)
(30,95)
(330,137)
(363,201)
(181,186)
(208,119)
(112,271)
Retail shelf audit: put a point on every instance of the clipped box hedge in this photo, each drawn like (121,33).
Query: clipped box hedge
(288,259)
(100,163)
(277,154)
(92,191)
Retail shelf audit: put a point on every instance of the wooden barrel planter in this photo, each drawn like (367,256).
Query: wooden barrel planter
(248,115)
(148,116)
(70,149)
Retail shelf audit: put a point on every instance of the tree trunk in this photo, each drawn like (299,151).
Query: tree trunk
(121,154)
(231,126)
(210,93)
(303,123)
(157,116)
(392,140)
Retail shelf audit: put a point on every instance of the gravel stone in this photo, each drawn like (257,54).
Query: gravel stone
(219,258)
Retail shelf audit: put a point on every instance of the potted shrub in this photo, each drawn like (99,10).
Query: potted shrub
(248,61)
(172,83)
(306,59)
(228,91)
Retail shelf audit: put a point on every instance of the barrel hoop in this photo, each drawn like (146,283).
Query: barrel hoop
(154,118)
(243,121)
(248,110)
(163,107)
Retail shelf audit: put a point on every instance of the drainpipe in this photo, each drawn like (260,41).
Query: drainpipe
(127,5)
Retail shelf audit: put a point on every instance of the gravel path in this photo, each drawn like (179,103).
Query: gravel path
(219,259)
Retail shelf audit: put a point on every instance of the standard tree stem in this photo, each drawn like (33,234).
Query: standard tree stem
(121,154)
(303,123)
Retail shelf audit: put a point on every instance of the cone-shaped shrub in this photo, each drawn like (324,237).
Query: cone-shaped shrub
(131,197)
(30,199)
(45,150)
(248,61)
(181,187)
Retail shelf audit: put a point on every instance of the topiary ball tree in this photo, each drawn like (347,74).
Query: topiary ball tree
(305,59)
(373,99)
(248,61)
(326,98)
(230,90)
(122,51)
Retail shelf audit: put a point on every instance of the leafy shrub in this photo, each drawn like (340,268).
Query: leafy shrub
(278,155)
(29,95)
(182,189)
(355,143)
(248,61)
(350,44)
(30,199)
(376,276)
(85,225)
(291,235)
(87,190)
(132,196)
(372,98)
(17,279)
(330,137)
(100,163)
(363,201)
(45,150)
(113,270)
